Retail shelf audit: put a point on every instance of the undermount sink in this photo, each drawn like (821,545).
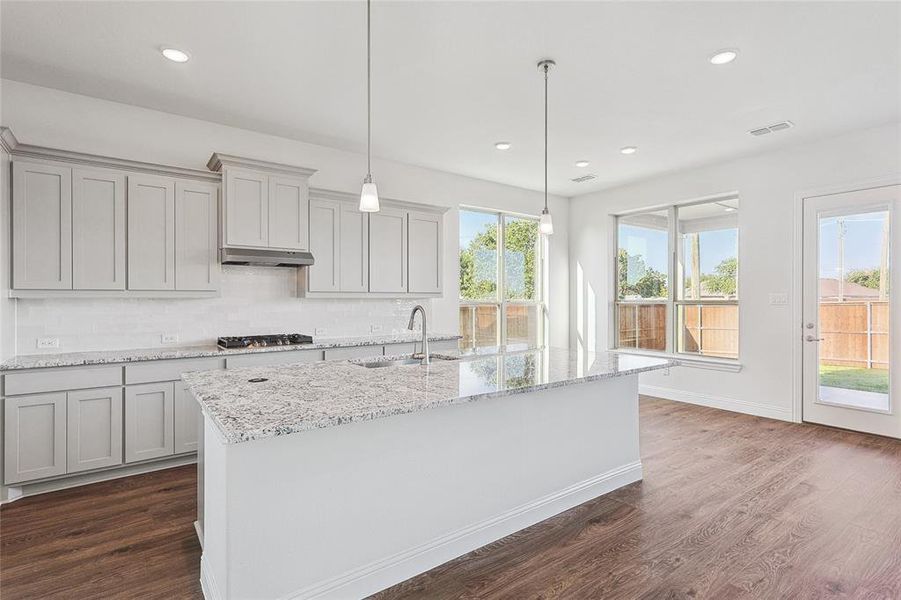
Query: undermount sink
(375,364)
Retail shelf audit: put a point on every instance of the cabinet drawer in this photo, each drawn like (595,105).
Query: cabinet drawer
(266,359)
(355,352)
(51,380)
(169,370)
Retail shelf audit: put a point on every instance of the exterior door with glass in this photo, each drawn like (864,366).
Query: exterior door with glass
(850,328)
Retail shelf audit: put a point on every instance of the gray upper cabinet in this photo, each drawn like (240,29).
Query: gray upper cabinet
(265,204)
(196,235)
(353,249)
(149,421)
(426,240)
(42,226)
(246,209)
(325,218)
(34,434)
(98,229)
(289,207)
(94,433)
(388,250)
(151,233)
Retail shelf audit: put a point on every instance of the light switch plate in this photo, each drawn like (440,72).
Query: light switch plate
(778,299)
(48,342)
(169,338)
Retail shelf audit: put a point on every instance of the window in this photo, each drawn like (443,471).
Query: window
(501,294)
(679,266)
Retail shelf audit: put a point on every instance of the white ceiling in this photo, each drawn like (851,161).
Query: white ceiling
(452,78)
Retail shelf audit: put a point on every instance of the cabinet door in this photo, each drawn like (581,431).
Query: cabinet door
(426,240)
(151,233)
(94,436)
(187,417)
(388,251)
(34,433)
(353,252)
(289,209)
(324,232)
(246,208)
(148,421)
(98,230)
(42,226)
(196,242)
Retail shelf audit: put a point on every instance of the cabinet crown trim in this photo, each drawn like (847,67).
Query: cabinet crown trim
(323,194)
(17,149)
(218,161)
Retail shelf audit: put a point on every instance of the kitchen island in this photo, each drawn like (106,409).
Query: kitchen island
(336,480)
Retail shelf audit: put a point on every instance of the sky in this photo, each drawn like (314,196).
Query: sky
(651,244)
(863,243)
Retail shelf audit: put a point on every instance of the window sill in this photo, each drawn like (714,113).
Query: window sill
(698,362)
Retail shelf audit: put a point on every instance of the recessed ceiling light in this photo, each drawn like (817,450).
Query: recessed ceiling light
(175,55)
(503,145)
(629,149)
(582,163)
(722,57)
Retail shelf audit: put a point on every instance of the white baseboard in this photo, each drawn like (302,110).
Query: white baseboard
(384,573)
(731,404)
(207,583)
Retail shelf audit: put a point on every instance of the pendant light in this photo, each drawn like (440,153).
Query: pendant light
(545,224)
(369,195)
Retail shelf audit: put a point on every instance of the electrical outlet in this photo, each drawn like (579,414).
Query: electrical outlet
(375,329)
(169,338)
(320,331)
(48,342)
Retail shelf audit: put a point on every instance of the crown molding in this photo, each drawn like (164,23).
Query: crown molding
(19,150)
(219,161)
(8,141)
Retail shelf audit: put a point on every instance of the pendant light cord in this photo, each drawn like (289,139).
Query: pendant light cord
(368,93)
(546,67)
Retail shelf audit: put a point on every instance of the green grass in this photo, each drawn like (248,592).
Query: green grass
(851,378)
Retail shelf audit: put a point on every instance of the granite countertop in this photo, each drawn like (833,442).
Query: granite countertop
(74,359)
(296,398)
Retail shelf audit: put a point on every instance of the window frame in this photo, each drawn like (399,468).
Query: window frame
(500,301)
(674,278)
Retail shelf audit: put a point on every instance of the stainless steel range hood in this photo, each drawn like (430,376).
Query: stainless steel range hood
(266,258)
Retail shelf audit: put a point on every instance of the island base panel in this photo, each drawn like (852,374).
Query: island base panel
(346,511)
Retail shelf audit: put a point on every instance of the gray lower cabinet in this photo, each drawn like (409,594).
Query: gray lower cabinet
(34,430)
(94,437)
(149,421)
(187,418)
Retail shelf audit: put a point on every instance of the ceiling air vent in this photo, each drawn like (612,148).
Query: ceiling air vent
(772,128)
(584,178)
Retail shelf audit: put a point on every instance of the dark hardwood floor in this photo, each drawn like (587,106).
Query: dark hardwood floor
(731,506)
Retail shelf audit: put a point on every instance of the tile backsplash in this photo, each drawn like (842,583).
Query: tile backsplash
(254,300)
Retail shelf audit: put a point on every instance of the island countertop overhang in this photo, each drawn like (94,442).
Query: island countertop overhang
(263,402)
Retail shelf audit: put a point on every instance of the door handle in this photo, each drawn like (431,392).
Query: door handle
(810,338)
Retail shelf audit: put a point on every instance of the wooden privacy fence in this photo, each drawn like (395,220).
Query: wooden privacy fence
(855,334)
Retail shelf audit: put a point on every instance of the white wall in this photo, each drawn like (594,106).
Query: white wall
(767,185)
(57,119)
